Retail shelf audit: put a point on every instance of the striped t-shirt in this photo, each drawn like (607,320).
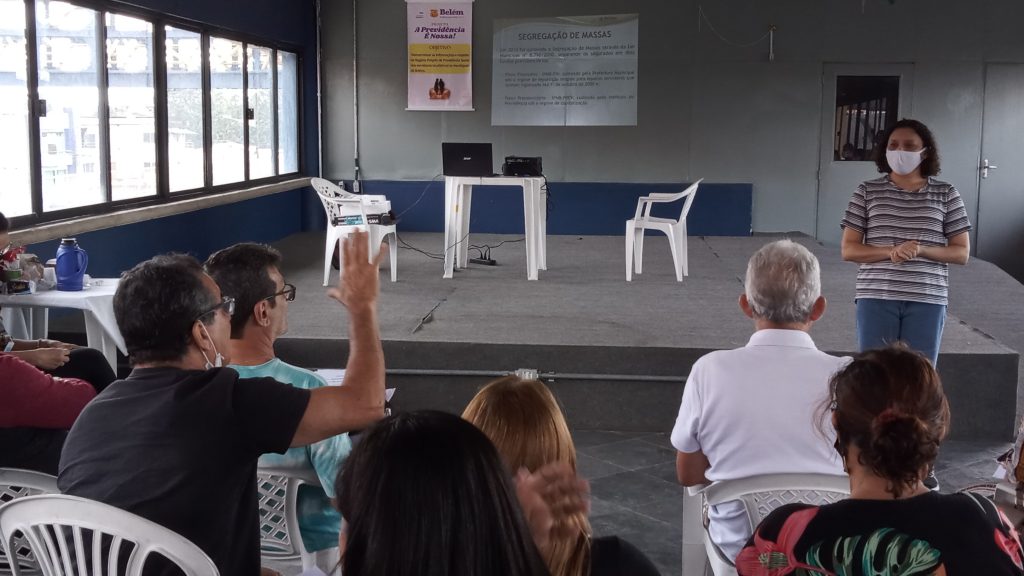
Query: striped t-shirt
(887,215)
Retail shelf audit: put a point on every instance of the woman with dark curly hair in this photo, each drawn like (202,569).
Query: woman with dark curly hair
(890,415)
(904,229)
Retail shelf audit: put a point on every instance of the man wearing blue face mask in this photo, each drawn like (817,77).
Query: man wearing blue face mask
(177,441)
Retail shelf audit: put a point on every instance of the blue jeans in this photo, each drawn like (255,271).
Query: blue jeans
(918,325)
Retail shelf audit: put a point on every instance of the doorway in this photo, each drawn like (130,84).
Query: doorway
(859,101)
(1000,225)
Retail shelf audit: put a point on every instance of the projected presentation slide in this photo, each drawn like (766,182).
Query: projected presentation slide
(566,71)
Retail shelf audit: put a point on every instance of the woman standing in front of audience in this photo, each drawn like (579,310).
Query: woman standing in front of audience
(904,229)
(889,414)
(523,420)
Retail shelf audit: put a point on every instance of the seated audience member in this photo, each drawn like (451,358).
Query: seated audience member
(177,441)
(250,273)
(36,411)
(58,358)
(523,420)
(426,494)
(890,415)
(750,411)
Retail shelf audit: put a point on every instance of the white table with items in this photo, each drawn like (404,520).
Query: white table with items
(26,316)
(458,196)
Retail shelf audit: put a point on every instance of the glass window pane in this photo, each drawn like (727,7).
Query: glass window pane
(261,124)
(287,112)
(184,109)
(69,83)
(15,171)
(865,108)
(228,113)
(132,117)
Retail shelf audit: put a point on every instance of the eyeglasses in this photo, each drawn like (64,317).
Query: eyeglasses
(227,303)
(288,293)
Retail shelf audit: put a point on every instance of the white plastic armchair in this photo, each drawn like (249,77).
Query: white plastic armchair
(674,229)
(339,203)
(760,495)
(72,535)
(14,484)
(280,537)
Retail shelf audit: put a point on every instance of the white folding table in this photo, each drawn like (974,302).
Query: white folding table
(26,316)
(458,196)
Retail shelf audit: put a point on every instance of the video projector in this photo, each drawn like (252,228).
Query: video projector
(522,166)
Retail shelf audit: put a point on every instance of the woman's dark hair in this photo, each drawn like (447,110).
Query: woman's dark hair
(5,224)
(929,160)
(156,304)
(241,271)
(889,403)
(426,494)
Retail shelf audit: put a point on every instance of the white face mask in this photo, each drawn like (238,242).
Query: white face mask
(903,162)
(218,359)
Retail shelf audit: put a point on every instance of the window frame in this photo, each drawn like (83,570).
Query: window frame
(159,21)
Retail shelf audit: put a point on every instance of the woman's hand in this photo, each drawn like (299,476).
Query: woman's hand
(45,358)
(855,250)
(57,344)
(906,251)
(549,498)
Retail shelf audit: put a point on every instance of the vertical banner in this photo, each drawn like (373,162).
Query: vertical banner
(440,55)
(566,71)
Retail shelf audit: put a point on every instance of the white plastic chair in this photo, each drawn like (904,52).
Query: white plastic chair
(68,532)
(338,204)
(280,538)
(674,229)
(14,484)
(760,495)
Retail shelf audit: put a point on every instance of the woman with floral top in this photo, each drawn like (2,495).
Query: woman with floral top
(889,414)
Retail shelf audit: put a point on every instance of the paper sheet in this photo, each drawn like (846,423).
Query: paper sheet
(335,377)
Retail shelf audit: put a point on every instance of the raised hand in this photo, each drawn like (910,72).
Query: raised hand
(359,281)
(550,497)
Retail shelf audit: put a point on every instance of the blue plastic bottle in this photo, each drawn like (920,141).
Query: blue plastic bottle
(71,264)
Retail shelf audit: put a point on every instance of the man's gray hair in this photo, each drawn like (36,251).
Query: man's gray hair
(783,282)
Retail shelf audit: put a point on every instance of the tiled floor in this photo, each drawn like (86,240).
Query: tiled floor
(634,493)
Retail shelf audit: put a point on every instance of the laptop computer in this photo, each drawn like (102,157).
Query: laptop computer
(466,159)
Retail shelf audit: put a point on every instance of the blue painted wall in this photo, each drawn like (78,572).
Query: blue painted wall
(586,208)
(199,233)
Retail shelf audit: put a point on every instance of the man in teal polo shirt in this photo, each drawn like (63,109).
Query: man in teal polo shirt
(250,273)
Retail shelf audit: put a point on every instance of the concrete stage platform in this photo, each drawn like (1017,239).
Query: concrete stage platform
(617,353)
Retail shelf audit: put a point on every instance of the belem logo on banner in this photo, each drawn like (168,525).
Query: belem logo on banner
(435,12)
